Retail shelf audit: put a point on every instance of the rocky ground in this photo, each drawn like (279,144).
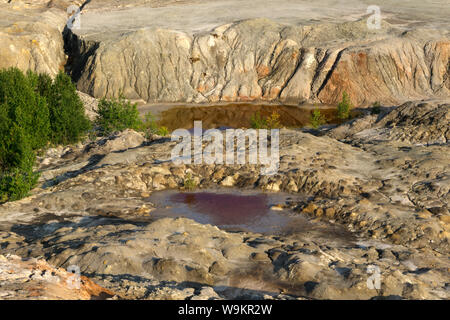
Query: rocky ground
(26,279)
(382,178)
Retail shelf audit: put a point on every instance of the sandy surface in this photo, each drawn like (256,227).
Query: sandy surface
(107,18)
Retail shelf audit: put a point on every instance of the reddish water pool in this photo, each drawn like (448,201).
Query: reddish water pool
(243,210)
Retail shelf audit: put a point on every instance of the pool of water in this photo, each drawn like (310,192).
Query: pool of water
(236,115)
(256,212)
(243,210)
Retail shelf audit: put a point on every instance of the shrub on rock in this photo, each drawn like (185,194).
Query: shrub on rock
(344,107)
(68,120)
(15,149)
(117,115)
(16,184)
(41,82)
(257,122)
(271,122)
(317,119)
(33,111)
(16,161)
(24,106)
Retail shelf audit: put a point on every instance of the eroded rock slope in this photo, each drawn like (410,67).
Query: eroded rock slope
(264,60)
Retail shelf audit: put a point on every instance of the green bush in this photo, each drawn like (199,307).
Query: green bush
(117,115)
(68,121)
(317,119)
(67,116)
(189,182)
(24,106)
(16,161)
(271,122)
(16,184)
(41,83)
(163,131)
(33,111)
(344,107)
(257,122)
(15,149)
(45,84)
(24,128)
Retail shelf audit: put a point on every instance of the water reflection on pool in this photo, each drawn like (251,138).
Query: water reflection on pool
(236,115)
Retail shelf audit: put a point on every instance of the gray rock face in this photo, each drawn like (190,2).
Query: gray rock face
(30,35)
(90,105)
(263,60)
